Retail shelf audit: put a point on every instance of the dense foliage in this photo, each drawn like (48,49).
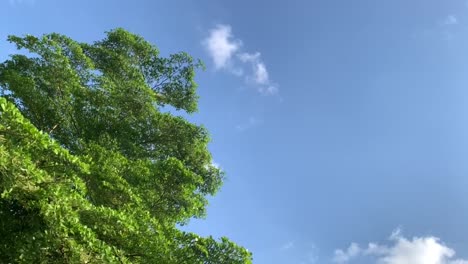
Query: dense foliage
(91,169)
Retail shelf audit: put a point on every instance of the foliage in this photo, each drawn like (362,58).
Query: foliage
(91,169)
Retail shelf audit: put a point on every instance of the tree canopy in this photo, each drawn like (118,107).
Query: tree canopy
(91,169)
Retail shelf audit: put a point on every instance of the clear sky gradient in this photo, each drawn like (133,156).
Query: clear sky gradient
(339,123)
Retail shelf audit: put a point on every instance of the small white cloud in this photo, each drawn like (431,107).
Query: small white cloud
(451,20)
(224,49)
(395,234)
(288,245)
(375,249)
(260,77)
(221,46)
(261,74)
(418,250)
(247,57)
(344,256)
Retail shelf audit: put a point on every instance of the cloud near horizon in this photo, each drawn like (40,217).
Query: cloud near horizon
(224,49)
(417,250)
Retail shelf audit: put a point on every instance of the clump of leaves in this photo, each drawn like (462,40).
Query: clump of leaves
(91,169)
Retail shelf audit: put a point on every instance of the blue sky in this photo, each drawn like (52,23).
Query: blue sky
(342,125)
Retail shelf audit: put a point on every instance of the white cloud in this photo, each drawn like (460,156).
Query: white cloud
(224,49)
(221,45)
(249,57)
(260,76)
(418,250)
(344,256)
(451,20)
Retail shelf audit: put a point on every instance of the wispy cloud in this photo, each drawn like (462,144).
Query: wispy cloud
(450,20)
(344,256)
(401,250)
(224,49)
(260,76)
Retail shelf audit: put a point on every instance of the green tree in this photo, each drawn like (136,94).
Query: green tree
(91,169)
